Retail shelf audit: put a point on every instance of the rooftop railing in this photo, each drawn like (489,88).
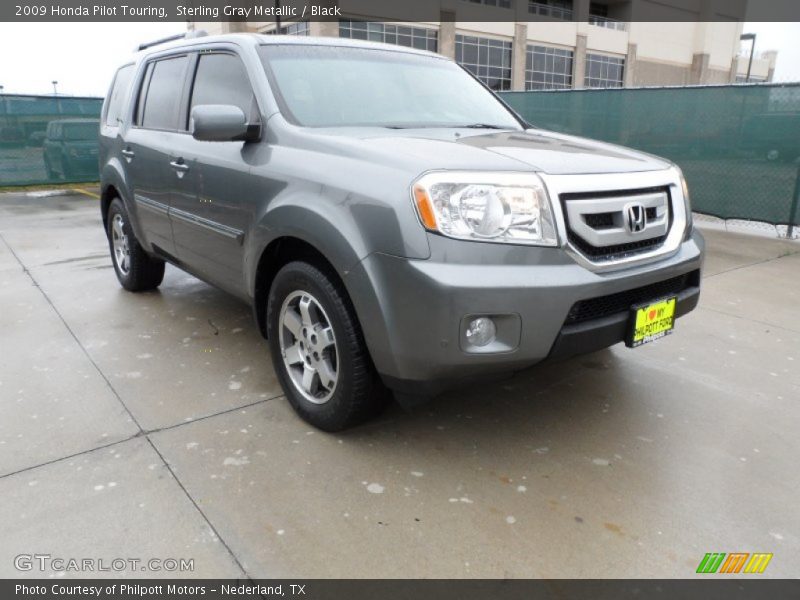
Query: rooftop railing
(608,23)
(546,10)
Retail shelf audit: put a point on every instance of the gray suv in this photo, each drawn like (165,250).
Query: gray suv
(393,224)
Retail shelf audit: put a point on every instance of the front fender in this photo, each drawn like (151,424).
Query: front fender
(332,234)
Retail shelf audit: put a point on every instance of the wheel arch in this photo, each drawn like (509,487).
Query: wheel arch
(107,195)
(301,227)
(278,253)
(113,184)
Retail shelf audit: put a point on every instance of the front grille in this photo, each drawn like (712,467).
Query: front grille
(616,251)
(605,220)
(606,306)
(600,220)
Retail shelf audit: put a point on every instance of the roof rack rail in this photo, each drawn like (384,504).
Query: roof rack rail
(181,36)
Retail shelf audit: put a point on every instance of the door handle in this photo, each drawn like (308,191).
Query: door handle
(128,153)
(179,165)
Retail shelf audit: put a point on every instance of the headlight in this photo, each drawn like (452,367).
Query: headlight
(686,201)
(511,208)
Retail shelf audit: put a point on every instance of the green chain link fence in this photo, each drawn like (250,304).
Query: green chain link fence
(738,145)
(48,139)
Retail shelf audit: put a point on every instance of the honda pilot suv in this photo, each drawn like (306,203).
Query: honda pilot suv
(393,224)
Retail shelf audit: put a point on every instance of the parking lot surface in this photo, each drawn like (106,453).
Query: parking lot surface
(152,426)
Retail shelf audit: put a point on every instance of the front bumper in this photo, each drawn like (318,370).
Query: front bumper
(412,311)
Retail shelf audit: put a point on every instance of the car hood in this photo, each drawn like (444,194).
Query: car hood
(471,149)
(563,154)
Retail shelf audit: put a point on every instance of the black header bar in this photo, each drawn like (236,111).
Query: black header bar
(389,10)
(709,588)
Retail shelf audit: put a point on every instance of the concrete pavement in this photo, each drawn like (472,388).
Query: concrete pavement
(152,426)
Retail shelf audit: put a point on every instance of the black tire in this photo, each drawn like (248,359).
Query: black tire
(143,271)
(51,175)
(358,394)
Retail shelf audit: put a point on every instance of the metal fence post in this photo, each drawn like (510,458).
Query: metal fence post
(793,216)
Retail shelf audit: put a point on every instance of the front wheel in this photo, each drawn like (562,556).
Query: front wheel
(318,349)
(136,270)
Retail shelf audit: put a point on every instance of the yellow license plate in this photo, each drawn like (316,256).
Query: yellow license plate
(651,321)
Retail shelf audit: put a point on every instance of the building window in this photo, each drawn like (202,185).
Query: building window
(555,9)
(299,28)
(548,68)
(603,71)
(489,60)
(497,3)
(411,37)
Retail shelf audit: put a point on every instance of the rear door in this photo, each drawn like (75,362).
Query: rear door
(147,147)
(212,204)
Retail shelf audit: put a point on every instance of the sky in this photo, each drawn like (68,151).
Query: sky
(82,57)
(783,37)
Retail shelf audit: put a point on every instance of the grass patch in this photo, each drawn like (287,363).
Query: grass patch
(45,187)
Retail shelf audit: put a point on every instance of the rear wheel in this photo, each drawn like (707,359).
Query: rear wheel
(51,175)
(318,349)
(136,270)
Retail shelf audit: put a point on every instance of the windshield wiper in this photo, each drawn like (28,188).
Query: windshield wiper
(447,126)
(480,126)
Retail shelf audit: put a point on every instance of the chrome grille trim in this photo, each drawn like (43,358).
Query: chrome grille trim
(616,184)
(577,211)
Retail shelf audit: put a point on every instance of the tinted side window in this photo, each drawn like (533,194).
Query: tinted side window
(118,95)
(222,79)
(164,94)
(143,93)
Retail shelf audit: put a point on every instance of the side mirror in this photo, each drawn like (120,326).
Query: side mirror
(221,123)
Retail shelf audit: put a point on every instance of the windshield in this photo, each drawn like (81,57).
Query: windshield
(80,131)
(324,86)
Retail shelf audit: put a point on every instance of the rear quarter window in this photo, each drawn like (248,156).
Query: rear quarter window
(118,96)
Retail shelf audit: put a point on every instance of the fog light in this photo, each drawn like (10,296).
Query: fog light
(481,331)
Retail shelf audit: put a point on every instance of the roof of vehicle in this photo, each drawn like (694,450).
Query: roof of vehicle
(265,40)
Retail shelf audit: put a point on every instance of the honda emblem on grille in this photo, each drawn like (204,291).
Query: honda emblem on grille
(635,218)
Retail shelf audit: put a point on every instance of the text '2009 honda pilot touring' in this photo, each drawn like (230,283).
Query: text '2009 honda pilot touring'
(394,225)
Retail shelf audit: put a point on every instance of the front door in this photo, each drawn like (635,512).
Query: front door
(213,186)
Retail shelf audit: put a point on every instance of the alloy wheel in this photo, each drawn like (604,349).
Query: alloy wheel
(119,241)
(308,347)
